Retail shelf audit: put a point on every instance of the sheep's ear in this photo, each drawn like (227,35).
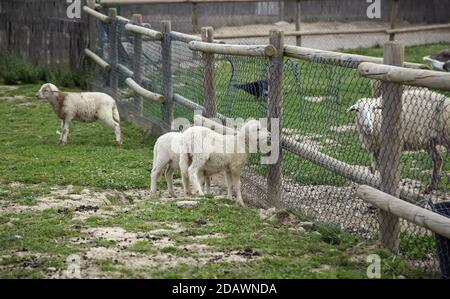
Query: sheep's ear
(352,108)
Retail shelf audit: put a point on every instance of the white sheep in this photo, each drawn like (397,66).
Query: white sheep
(84,106)
(167,152)
(425,126)
(206,150)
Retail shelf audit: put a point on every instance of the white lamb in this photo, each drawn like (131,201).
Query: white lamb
(213,152)
(425,125)
(167,152)
(84,106)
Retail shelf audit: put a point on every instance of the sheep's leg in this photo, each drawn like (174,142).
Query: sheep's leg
(236,180)
(156,173)
(65,132)
(61,128)
(196,179)
(110,122)
(437,167)
(169,179)
(373,163)
(118,134)
(207,183)
(195,171)
(184,166)
(229,184)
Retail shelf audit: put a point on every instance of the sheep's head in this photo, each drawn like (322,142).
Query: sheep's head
(46,91)
(365,111)
(255,135)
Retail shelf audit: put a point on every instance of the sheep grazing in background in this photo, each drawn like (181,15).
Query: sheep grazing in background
(440,60)
(84,107)
(167,153)
(425,126)
(213,152)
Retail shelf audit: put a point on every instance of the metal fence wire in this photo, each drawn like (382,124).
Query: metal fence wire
(331,133)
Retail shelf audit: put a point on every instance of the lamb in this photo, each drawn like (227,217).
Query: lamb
(213,152)
(84,106)
(425,126)
(167,152)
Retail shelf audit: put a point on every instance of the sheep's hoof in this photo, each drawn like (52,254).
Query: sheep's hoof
(241,203)
(62,142)
(119,143)
(172,195)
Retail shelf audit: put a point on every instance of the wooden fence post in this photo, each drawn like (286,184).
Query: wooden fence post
(113,50)
(394,18)
(92,27)
(281,13)
(194,17)
(298,17)
(391,146)
(209,80)
(274,111)
(138,66)
(166,56)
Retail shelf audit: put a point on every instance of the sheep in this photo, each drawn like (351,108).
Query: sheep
(214,152)
(167,152)
(425,125)
(84,106)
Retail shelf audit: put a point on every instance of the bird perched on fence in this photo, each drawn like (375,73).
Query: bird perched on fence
(259,89)
(440,60)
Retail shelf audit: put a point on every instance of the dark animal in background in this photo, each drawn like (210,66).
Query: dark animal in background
(440,60)
(259,89)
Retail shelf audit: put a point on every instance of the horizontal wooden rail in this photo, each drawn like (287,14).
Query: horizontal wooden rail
(339,58)
(187,38)
(418,28)
(420,216)
(97,59)
(192,105)
(144,92)
(400,75)
(238,50)
(144,31)
(213,125)
(301,33)
(125,70)
(92,12)
(356,173)
(122,19)
(123,2)
(183,37)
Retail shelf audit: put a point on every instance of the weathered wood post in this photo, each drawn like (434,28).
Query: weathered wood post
(281,13)
(394,18)
(113,50)
(194,17)
(391,146)
(209,80)
(274,112)
(298,17)
(167,86)
(92,27)
(138,66)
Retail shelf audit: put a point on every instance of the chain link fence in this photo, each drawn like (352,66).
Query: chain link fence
(334,126)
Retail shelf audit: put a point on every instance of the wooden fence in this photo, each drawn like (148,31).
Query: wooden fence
(42,32)
(390,73)
(390,31)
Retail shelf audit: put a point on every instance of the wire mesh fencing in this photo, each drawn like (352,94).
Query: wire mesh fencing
(337,127)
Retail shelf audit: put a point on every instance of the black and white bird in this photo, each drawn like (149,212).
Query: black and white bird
(440,60)
(259,89)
